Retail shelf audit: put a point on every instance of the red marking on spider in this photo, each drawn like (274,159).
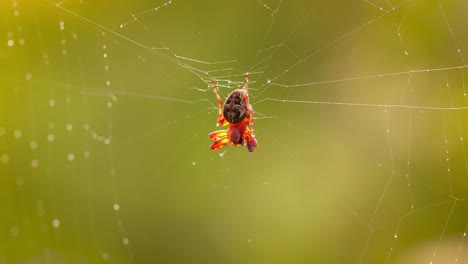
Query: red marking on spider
(238,114)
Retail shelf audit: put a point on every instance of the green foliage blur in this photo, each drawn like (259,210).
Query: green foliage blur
(361,115)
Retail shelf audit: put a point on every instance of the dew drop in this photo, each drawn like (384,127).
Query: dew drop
(18,133)
(71,156)
(116,207)
(125,241)
(33,144)
(56,223)
(50,137)
(5,158)
(34,163)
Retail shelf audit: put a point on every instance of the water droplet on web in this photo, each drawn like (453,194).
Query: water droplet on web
(68,99)
(395,236)
(50,137)
(5,158)
(105,55)
(10,43)
(28,76)
(71,156)
(56,223)
(109,104)
(105,256)
(51,102)
(116,207)
(34,163)
(18,133)
(107,141)
(33,144)
(125,241)
(69,127)
(269,81)
(194,163)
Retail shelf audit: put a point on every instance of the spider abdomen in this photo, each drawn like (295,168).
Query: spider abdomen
(234,108)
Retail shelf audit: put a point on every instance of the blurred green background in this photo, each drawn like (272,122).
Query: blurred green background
(361,114)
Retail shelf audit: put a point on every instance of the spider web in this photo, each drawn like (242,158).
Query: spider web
(360,115)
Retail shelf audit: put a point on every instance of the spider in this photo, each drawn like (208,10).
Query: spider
(238,114)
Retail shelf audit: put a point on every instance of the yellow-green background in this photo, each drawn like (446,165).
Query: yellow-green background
(327,183)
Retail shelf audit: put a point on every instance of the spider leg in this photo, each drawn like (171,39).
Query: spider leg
(250,111)
(251,141)
(221,120)
(220,143)
(216,135)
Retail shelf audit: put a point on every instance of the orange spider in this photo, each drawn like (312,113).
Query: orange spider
(238,114)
